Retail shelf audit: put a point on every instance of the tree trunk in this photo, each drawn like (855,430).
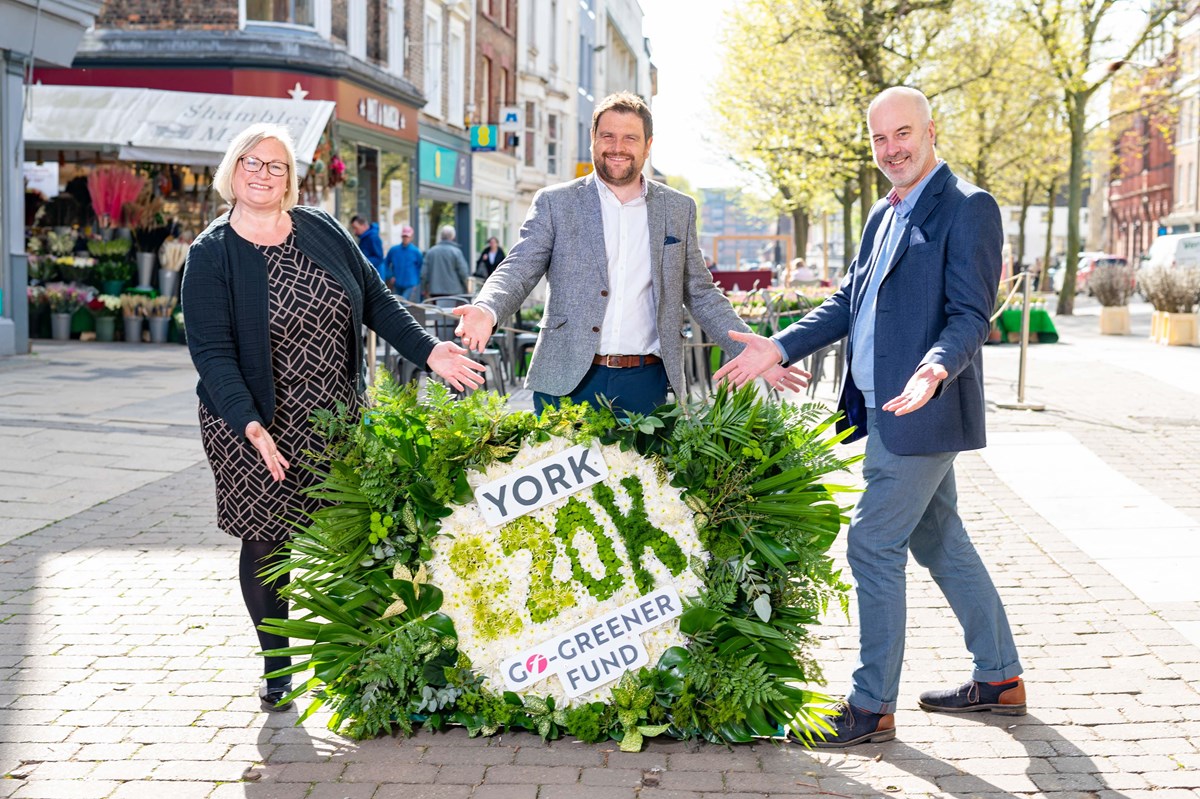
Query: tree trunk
(800,223)
(1026,201)
(1076,117)
(866,193)
(848,226)
(1051,192)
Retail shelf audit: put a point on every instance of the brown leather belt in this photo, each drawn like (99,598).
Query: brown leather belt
(625,361)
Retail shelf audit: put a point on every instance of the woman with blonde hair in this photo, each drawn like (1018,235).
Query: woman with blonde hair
(275,295)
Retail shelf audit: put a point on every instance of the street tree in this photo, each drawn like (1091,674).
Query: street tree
(1076,39)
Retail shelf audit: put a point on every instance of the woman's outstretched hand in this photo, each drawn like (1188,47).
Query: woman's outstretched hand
(450,362)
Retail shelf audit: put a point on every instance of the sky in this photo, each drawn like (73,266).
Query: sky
(684,43)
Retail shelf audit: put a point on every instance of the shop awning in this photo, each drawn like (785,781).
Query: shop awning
(186,128)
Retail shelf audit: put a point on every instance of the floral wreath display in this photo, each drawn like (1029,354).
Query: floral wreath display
(572,573)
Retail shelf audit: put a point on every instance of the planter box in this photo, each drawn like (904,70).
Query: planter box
(1114,320)
(1173,329)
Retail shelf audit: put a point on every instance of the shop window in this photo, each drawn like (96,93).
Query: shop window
(285,12)
(552,144)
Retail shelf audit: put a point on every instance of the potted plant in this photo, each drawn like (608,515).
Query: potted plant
(105,309)
(159,311)
(1174,293)
(144,217)
(64,300)
(1113,285)
(111,187)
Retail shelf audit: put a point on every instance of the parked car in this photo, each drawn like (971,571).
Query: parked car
(1089,262)
(1175,249)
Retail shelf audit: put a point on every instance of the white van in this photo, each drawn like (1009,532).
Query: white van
(1176,249)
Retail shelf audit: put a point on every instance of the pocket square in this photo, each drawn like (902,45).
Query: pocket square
(916,237)
(670,240)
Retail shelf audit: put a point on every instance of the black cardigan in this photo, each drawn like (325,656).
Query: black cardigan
(225,307)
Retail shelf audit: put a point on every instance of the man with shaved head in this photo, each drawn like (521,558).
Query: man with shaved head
(915,307)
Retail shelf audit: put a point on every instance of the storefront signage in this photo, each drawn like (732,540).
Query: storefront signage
(443,166)
(541,483)
(598,651)
(510,119)
(483,138)
(379,113)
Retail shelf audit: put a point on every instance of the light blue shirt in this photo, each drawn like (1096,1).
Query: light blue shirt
(887,239)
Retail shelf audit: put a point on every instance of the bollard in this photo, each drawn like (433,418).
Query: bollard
(1021,404)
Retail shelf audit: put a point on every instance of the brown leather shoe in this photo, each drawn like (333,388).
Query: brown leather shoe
(1006,699)
(853,725)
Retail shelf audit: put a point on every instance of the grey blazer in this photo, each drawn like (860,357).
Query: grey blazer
(563,239)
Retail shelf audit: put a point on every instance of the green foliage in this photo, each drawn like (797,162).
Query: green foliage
(753,473)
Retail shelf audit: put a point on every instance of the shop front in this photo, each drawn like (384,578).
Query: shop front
(356,153)
(495,194)
(444,194)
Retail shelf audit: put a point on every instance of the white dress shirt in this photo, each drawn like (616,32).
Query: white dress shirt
(629,326)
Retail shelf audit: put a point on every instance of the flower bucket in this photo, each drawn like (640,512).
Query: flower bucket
(133,328)
(159,326)
(60,326)
(168,282)
(112,287)
(106,328)
(145,267)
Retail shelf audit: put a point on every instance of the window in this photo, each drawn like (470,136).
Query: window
(433,61)
(554,34)
(454,82)
(485,92)
(552,144)
(395,34)
(530,135)
(356,30)
(287,12)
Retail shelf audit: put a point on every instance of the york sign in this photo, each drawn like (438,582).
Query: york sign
(539,484)
(596,652)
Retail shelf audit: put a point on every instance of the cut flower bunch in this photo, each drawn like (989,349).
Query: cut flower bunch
(408,601)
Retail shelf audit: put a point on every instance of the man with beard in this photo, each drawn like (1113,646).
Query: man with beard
(622,259)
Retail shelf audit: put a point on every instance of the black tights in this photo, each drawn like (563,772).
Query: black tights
(263,600)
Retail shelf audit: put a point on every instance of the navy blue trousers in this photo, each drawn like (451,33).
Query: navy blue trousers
(637,389)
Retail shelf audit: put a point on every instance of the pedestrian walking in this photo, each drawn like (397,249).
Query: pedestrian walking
(445,270)
(404,265)
(622,258)
(371,245)
(915,308)
(489,259)
(275,296)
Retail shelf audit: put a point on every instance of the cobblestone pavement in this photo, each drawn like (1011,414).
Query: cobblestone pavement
(127,668)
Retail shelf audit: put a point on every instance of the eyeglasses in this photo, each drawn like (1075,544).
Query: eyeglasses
(252,164)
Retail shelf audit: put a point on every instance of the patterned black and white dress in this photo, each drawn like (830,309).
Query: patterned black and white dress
(309,315)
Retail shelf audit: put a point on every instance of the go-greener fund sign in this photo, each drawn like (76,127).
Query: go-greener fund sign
(595,653)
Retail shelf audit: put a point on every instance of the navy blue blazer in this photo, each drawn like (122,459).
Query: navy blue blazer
(934,306)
